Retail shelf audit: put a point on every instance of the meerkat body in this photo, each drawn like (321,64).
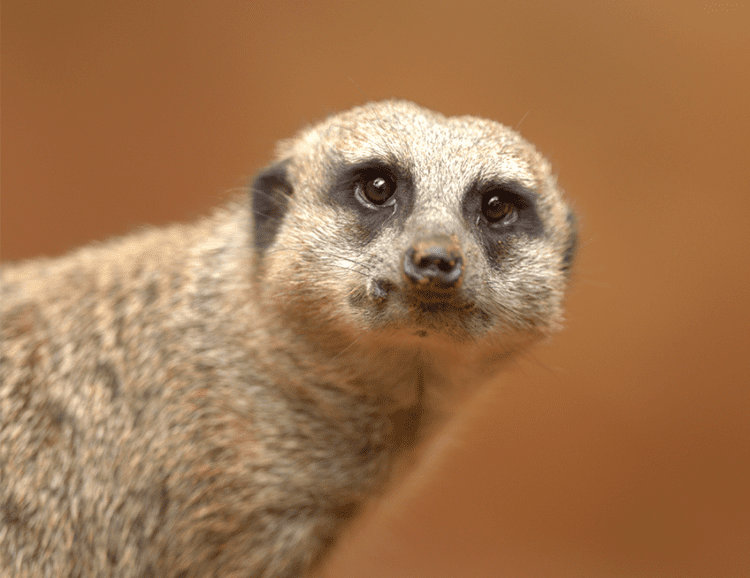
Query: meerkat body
(217,399)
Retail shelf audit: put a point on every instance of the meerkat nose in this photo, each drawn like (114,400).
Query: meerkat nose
(434,262)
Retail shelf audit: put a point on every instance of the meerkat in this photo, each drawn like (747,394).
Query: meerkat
(218,399)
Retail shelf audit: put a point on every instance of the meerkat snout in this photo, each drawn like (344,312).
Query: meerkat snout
(434,263)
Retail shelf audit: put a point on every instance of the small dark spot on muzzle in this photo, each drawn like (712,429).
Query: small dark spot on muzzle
(434,263)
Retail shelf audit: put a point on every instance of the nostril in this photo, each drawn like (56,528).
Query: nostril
(438,258)
(434,265)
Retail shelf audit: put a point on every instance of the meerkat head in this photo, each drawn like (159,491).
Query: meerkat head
(393,220)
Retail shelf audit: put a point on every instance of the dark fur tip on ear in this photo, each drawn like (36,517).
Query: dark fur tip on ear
(270,194)
(571,243)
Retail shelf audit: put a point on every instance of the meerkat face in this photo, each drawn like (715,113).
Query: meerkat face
(397,220)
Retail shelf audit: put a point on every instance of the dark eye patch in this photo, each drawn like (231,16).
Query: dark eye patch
(378,193)
(499,211)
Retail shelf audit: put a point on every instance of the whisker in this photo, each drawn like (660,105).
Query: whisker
(522,119)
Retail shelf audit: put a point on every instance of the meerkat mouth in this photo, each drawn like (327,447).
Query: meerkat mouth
(436,300)
(421,311)
(421,299)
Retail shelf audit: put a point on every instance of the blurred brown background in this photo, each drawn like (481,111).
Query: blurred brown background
(620,449)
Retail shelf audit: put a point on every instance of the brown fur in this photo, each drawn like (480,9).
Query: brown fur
(218,398)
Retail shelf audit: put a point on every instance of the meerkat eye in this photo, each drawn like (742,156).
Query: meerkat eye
(499,205)
(377,187)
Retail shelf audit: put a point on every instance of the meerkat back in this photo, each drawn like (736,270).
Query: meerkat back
(220,398)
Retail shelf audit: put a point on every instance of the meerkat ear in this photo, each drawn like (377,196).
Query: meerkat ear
(269,196)
(571,242)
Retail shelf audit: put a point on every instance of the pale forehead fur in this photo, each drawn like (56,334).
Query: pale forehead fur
(422,141)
